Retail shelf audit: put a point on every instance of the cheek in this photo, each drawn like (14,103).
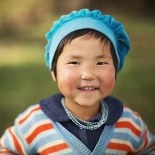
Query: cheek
(108,78)
(111,82)
(66,78)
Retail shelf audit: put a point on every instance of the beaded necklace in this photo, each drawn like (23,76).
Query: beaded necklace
(85,124)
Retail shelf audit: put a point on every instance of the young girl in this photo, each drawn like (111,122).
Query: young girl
(85,51)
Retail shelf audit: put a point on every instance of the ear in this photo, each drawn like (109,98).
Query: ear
(53,76)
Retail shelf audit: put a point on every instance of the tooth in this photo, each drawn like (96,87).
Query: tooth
(88,88)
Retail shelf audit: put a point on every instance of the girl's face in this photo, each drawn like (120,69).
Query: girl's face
(85,72)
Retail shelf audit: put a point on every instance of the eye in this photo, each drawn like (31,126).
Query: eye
(101,63)
(74,63)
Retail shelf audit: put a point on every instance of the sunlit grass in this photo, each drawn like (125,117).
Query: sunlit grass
(14,54)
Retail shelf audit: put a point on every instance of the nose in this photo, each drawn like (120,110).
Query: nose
(88,73)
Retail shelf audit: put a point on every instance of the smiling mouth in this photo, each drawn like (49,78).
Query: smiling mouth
(87,88)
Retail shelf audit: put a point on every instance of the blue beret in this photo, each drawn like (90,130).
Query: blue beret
(85,19)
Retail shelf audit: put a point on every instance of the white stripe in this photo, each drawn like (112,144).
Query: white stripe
(118,141)
(27,111)
(126,143)
(62,152)
(31,117)
(112,151)
(11,143)
(42,135)
(132,112)
(2,139)
(21,145)
(56,142)
(126,119)
(127,131)
(37,124)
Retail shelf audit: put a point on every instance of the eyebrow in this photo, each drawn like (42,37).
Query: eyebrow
(97,57)
(73,57)
(103,56)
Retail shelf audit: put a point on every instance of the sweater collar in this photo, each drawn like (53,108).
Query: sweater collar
(52,107)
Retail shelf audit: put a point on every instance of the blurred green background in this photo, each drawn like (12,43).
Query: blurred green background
(24,77)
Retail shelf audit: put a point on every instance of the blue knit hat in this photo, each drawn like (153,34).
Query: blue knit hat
(85,19)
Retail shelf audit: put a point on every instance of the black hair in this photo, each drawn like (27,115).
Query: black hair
(78,33)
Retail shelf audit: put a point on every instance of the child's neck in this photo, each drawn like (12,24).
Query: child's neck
(84,112)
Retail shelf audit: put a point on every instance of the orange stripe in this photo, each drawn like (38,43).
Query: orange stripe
(55,148)
(117,146)
(38,130)
(16,143)
(145,141)
(22,120)
(1,151)
(153,145)
(136,114)
(126,107)
(128,125)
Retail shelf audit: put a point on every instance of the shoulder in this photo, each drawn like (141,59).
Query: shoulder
(32,110)
(33,132)
(32,123)
(126,134)
(40,132)
(130,121)
(29,114)
(123,115)
(130,134)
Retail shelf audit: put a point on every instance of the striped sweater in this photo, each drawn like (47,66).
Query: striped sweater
(34,133)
